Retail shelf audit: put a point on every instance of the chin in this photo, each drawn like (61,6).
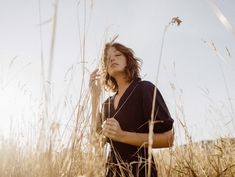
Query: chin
(116,73)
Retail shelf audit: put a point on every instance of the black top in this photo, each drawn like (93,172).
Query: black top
(133,114)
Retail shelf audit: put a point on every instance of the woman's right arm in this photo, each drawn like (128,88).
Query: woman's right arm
(95,90)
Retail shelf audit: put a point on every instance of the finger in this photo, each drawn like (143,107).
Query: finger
(107,126)
(95,71)
(94,80)
(109,133)
(112,121)
(103,124)
(94,77)
(110,124)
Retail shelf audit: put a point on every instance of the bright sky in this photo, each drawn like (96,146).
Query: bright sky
(203,81)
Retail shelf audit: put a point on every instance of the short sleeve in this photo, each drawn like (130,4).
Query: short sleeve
(162,119)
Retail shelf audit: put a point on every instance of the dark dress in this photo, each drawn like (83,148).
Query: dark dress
(133,114)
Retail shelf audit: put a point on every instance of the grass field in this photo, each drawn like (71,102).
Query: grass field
(53,147)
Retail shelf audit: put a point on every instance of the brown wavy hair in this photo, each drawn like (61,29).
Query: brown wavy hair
(132,70)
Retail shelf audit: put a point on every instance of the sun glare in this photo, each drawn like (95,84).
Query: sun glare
(14,111)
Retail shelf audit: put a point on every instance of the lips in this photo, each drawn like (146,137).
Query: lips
(113,65)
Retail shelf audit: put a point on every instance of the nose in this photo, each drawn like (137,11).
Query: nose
(112,59)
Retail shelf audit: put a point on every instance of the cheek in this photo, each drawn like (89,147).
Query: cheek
(125,62)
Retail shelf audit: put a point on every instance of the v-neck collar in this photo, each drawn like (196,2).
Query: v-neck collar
(125,94)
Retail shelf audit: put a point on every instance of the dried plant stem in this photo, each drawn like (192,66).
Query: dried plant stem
(151,124)
(218,54)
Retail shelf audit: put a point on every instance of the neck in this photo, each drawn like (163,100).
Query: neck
(122,85)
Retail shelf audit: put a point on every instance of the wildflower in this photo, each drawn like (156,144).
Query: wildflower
(176,20)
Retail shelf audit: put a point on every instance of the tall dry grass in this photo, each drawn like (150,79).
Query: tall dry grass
(84,155)
(201,159)
(78,151)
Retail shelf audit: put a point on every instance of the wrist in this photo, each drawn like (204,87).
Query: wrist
(123,136)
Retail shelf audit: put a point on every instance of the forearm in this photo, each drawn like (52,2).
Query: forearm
(96,122)
(95,92)
(160,140)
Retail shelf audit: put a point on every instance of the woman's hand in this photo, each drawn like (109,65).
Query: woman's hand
(111,129)
(95,84)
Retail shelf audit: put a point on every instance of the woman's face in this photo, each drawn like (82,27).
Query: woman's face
(116,62)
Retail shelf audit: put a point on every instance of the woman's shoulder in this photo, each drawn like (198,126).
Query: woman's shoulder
(145,84)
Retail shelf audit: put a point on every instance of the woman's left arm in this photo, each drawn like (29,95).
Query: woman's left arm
(160,140)
(112,129)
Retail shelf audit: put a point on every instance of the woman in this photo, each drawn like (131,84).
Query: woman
(126,115)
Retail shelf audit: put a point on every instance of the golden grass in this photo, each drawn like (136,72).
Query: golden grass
(205,158)
(17,161)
